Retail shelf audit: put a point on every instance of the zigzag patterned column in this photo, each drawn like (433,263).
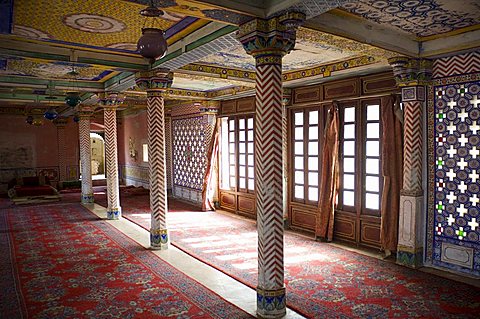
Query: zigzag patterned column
(279,34)
(84,115)
(412,75)
(154,82)
(60,123)
(110,103)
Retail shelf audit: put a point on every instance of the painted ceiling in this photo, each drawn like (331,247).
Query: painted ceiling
(420,17)
(107,23)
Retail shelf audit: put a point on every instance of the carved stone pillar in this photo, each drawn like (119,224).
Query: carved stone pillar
(110,102)
(412,76)
(60,123)
(268,41)
(154,82)
(84,114)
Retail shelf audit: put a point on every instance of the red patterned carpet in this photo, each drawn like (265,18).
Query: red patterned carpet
(322,281)
(61,261)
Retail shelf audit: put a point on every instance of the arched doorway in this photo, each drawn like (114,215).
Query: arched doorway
(97,143)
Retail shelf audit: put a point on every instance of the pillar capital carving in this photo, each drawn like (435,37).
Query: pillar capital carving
(411,71)
(110,100)
(287,97)
(157,79)
(269,40)
(85,111)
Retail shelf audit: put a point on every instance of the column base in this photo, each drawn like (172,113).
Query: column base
(158,239)
(271,303)
(114,213)
(88,198)
(408,257)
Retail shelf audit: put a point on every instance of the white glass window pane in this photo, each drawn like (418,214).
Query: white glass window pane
(231,148)
(250,147)
(313,163)
(299,148)
(312,148)
(349,165)
(231,136)
(232,159)
(241,136)
(242,147)
(232,170)
(313,194)
(349,181)
(232,181)
(372,166)
(349,131)
(250,172)
(350,114)
(231,125)
(242,159)
(312,179)
(348,198)
(298,162)
(313,133)
(299,133)
(349,148)
(373,130)
(145,152)
(372,183)
(241,124)
(373,113)
(250,159)
(299,192)
(251,184)
(250,122)
(299,178)
(373,148)
(313,117)
(299,118)
(250,135)
(242,171)
(372,201)
(242,182)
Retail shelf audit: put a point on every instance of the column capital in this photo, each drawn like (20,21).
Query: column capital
(85,111)
(60,122)
(209,107)
(287,97)
(110,100)
(157,79)
(269,40)
(411,71)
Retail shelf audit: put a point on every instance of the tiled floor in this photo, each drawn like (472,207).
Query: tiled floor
(230,289)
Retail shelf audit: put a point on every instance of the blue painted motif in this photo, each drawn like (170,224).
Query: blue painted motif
(6,14)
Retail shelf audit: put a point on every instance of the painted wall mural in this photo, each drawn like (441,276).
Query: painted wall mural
(454,204)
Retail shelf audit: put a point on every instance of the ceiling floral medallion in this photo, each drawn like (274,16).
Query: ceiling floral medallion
(29,32)
(93,23)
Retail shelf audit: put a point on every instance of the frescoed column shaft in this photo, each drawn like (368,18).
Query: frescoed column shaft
(85,156)
(110,104)
(268,41)
(154,81)
(412,76)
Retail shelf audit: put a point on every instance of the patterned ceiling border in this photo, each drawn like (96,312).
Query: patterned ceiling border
(223,73)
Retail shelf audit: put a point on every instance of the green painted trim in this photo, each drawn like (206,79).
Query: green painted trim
(122,65)
(28,80)
(116,78)
(45,56)
(212,36)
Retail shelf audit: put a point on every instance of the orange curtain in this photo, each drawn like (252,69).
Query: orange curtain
(329,180)
(209,181)
(392,170)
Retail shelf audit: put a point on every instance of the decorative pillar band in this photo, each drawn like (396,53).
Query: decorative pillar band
(154,82)
(268,41)
(110,102)
(85,154)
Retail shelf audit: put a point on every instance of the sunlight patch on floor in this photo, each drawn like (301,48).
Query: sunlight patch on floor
(200,239)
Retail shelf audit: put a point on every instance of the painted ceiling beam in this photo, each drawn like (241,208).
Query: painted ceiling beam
(339,23)
(456,43)
(12,45)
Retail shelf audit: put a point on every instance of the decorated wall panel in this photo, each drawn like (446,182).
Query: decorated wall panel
(189,151)
(454,210)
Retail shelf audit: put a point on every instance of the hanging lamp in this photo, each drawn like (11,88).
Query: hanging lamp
(152,44)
